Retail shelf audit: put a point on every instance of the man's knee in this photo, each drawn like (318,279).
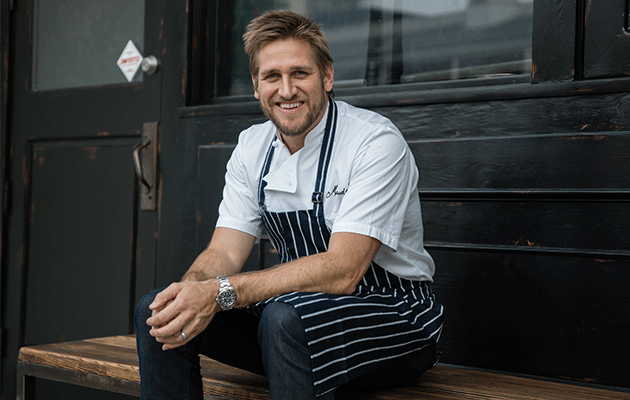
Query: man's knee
(143,312)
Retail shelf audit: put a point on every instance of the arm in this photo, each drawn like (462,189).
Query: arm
(335,271)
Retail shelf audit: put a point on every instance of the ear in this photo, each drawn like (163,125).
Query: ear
(329,78)
(255,82)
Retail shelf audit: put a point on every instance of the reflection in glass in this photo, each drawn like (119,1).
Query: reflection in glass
(77,43)
(382,42)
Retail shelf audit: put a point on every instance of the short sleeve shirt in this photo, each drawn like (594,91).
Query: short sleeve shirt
(371,187)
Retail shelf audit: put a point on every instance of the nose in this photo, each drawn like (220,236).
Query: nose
(287,89)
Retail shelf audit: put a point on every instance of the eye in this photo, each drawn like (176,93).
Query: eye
(271,76)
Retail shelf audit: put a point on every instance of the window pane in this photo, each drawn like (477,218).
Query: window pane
(77,43)
(606,42)
(381,42)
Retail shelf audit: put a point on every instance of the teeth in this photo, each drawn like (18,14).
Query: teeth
(289,106)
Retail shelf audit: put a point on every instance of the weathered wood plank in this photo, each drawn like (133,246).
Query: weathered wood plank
(558,161)
(447,382)
(583,226)
(114,358)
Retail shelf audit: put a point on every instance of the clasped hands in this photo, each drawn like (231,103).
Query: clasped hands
(186,307)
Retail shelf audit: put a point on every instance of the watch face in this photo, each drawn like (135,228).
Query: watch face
(226,299)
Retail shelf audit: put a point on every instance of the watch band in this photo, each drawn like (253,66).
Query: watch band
(224,281)
(227,295)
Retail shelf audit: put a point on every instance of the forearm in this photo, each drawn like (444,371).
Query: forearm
(225,255)
(336,271)
(307,274)
(209,264)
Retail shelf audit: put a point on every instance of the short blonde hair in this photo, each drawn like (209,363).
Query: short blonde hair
(284,24)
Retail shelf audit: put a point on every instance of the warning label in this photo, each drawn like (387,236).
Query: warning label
(129,61)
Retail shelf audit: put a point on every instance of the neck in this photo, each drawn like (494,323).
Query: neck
(293,143)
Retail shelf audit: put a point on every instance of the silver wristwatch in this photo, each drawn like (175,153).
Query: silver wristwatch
(227,295)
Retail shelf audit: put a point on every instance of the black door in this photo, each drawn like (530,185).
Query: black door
(81,238)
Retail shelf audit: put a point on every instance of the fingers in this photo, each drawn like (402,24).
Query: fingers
(165,296)
(173,341)
(161,318)
(170,327)
(162,312)
(173,328)
(183,305)
(176,340)
(190,331)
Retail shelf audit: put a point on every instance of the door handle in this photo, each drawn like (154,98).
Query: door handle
(137,161)
(145,162)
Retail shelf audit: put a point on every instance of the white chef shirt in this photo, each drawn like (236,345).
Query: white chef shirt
(371,187)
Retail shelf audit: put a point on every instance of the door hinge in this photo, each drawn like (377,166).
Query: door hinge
(11,5)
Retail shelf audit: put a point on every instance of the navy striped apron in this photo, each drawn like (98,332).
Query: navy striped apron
(387,317)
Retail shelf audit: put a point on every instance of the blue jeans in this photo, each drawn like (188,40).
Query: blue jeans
(274,346)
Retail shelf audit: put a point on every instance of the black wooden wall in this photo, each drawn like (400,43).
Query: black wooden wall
(526,216)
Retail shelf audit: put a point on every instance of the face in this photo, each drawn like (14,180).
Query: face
(290,87)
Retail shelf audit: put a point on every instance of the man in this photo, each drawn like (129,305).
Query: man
(335,188)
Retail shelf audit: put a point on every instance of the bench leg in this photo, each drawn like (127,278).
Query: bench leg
(25,385)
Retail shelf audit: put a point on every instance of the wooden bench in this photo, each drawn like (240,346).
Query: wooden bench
(111,364)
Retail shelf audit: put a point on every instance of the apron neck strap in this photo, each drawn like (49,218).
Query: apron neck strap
(325,155)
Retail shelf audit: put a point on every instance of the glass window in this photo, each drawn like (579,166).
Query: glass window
(77,43)
(383,42)
(606,40)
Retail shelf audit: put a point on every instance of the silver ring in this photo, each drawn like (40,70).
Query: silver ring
(184,336)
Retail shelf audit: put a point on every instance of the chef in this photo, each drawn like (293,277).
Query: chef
(335,188)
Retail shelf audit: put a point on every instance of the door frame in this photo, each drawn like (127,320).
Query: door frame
(4,95)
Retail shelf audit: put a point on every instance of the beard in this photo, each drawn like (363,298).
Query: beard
(315,111)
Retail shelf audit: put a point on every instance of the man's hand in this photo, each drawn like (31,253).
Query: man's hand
(187,307)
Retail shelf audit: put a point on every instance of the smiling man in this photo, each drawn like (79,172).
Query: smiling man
(335,187)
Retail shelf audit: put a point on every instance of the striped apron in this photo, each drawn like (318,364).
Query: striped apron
(386,317)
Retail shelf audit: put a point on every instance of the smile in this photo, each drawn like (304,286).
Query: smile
(289,106)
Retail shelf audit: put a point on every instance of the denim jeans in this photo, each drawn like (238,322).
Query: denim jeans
(274,346)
